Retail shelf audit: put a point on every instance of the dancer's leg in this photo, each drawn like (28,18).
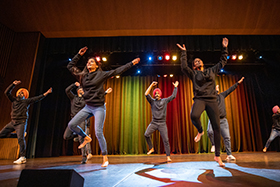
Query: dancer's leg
(197,109)
(149,131)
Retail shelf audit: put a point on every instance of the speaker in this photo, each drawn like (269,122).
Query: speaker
(50,177)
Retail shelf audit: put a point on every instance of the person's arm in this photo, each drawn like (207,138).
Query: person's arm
(232,88)
(184,63)
(147,93)
(170,98)
(72,64)
(38,98)
(109,90)
(69,89)
(8,90)
(121,69)
(223,58)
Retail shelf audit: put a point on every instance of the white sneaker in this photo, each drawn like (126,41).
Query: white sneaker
(212,149)
(230,157)
(21,160)
(89,156)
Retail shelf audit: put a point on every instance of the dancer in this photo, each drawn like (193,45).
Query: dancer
(77,104)
(92,79)
(223,121)
(19,116)
(205,96)
(158,107)
(275,131)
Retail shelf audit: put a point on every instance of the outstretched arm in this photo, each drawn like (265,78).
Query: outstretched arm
(154,83)
(8,90)
(184,63)
(232,88)
(121,69)
(170,98)
(38,98)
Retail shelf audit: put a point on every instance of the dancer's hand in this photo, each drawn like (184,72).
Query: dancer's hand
(77,84)
(175,84)
(182,48)
(109,90)
(154,83)
(135,61)
(225,42)
(49,91)
(83,51)
(16,82)
(241,80)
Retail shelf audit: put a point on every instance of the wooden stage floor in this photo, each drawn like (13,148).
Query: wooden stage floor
(250,169)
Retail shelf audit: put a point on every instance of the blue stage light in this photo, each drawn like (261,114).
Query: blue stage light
(150,58)
(69,59)
(159,57)
(138,71)
(260,57)
(222,70)
(228,57)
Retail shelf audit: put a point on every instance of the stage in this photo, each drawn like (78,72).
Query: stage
(250,169)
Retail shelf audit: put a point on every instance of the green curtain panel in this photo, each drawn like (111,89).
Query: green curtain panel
(129,113)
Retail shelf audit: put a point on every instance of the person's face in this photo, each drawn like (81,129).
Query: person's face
(80,91)
(197,63)
(157,95)
(21,94)
(278,111)
(217,88)
(91,64)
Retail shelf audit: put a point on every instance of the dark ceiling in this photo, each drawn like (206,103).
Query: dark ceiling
(91,18)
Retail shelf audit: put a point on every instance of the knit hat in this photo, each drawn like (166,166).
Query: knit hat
(157,90)
(25,92)
(275,109)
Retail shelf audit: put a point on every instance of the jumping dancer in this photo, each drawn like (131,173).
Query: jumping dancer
(77,104)
(275,131)
(19,116)
(223,121)
(159,106)
(92,79)
(205,96)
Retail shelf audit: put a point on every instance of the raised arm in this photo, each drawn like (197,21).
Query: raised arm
(173,96)
(184,63)
(121,69)
(8,90)
(154,83)
(69,89)
(223,58)
(72,64)
(232,88)
(40,97)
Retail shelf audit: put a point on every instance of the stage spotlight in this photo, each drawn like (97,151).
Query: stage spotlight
(167,57)
(159,57)
(138,71)
(233,57)
(117,76)
(165,75)
(69,59)
(174,57)
(260,57)
(104,59)
(150,58)
(228,57)
(98,59)
(240,57)
(222,70)
(158,75)
(171,75)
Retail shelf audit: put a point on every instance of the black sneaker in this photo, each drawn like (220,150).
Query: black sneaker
(84,160)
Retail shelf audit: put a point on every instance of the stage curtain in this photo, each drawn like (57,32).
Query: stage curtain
(129,113)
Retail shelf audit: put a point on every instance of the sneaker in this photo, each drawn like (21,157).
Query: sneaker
(21,160)
(84,160)
(89,156)
(212,149)
(230,157)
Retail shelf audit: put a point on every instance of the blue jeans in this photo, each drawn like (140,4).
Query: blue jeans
(224,132)
(99,114)
(274,133)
